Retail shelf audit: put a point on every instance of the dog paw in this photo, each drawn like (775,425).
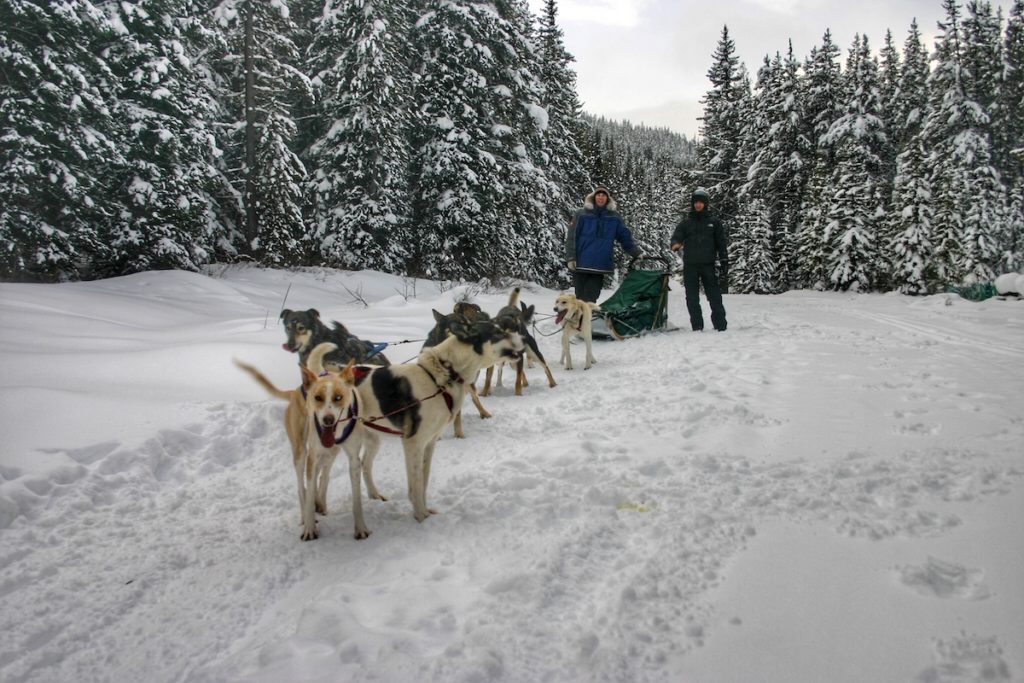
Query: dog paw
(308,535)
(361,534)
(425,515)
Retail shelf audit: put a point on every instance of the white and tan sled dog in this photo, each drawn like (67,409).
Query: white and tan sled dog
(415,401)
(575,316)
(320,421)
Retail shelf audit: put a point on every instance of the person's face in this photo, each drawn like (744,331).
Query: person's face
(698,205)
(601,198)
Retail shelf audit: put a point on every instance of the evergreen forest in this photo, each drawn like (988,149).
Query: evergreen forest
(445,139)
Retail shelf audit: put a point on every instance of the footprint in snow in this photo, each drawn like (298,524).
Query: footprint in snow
(945,580)
(966,658)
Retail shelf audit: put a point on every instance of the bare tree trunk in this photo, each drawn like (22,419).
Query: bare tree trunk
(249,199)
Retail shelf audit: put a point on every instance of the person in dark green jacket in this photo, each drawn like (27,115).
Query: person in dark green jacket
(701,236)
(590,243)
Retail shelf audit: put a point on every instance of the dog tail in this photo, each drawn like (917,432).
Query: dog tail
(315,362)
(513,298)
(263,381)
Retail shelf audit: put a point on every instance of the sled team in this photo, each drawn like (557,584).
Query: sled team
(350,394)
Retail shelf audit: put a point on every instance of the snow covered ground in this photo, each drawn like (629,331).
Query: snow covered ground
(832,491)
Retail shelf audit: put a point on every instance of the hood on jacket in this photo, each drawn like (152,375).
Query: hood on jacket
(703,195)
(589,204)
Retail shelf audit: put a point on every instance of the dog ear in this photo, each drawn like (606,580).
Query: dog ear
(308,378)
(459,327)
(313,312)
(527,311)
(348,375)
(285,312)
(438,316)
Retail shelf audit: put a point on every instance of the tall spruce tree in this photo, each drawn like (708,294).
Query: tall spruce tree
(905,111)
(911,248)
(983,61)
(478,181)
(260,70)
(527,195)
(566,132)
(968,197)
(855,204)
(888,91)
(822,98)
(1008,130)
(721,129)
(777,174)
(754,206)
(163,112)
(361,155)
(909,222)
(752,261)
(279,191)
(1008,126)
(57,137)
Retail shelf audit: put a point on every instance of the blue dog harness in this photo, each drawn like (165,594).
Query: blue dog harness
(375,349)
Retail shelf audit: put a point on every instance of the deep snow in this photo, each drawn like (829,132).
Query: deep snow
(830,491)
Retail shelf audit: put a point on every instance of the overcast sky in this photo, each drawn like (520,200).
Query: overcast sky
(647,60)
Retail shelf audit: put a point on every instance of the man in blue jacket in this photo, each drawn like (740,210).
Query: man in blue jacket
(701,236)
(590,243)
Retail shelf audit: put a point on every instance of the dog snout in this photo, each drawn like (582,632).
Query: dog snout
(329,420)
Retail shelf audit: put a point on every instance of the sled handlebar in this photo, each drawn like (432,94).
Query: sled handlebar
(661,260)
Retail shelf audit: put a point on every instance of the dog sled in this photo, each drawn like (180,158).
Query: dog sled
(640,304)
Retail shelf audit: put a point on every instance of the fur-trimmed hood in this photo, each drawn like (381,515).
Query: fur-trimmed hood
(589,204)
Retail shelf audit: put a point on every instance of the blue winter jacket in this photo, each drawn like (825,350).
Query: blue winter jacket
(592,235)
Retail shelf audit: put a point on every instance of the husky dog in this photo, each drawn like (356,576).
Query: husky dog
(416,401)
(317,424)
(467,313)
(517,316)
(305,330)
(578,315)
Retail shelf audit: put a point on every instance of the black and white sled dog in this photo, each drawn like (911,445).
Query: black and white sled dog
(305,330)
(467,313)
(415,401)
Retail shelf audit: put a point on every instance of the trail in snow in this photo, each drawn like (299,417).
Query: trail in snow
(583,530)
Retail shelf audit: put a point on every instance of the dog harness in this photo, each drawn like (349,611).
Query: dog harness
(351,417)
(375,349)
(353,409)
(441,389)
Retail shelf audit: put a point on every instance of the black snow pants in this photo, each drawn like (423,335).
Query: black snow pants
(693,277)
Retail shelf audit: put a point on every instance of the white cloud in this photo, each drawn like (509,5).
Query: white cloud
(609,12)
